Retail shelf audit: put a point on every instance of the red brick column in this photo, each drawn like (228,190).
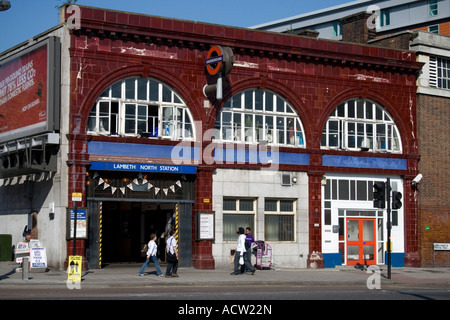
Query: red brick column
(315,205)
(77,183)
(202,257)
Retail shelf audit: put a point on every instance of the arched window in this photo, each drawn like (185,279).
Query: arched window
(361,125)
(141,107)
(259,116)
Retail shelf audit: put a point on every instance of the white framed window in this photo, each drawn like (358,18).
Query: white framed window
(279,220)
(141,107)
(337,29)
(433,8)
(361,125)
(237,212)
(385,18)
(259,116)
(439,72)
(434,29)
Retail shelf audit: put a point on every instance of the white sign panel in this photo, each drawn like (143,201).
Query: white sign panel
(441,246)
(206,226)
(38,258)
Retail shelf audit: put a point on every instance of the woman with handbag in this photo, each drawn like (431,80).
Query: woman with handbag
(172,256)
(151,256)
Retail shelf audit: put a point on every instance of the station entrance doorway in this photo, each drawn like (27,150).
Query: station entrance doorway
(127,227)
(120,229)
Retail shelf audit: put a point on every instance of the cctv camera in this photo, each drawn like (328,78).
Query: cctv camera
(417,179)
(4,5)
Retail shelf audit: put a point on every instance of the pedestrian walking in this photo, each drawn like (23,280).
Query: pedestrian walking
(239,254)
(249,240)
(172,256)
(151,256)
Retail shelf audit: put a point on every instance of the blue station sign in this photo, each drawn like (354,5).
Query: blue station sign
(142,167)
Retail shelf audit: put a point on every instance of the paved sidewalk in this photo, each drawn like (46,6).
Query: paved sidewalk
(126,275)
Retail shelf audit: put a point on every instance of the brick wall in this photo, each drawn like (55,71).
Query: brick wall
(433,191)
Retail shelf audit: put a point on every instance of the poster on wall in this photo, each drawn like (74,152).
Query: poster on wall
(205,225)
(29,91)
(82,223)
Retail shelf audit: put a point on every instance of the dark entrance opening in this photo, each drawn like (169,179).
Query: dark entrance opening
(127,227)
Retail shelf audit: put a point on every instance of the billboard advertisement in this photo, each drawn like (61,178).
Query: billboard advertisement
(29,91)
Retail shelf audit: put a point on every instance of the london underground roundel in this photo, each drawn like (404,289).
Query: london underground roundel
(214,60)
(219,60)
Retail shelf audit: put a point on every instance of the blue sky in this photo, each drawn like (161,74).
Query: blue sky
(27,18)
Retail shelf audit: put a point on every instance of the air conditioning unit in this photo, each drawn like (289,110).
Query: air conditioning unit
(286,179)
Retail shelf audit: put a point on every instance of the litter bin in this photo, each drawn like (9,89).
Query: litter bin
(5,247)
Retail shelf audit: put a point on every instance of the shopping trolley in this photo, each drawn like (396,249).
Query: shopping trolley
(263,255)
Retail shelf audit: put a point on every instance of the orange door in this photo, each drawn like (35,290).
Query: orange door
(361,241)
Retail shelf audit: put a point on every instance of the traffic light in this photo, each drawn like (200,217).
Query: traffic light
(379,195)
(396,200)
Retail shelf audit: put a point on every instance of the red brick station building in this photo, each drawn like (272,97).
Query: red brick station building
(289,143)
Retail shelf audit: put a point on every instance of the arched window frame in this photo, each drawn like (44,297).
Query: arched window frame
(141,107)
(257,116)
(361,125)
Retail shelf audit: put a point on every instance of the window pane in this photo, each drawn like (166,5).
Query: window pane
(280,105)
(333,133)
(167,94)
(270,205)
(286,206)
(116,90)
(269,101)
(360,109)
(130,116)
(236,101)
(246,205)
(361,190)
(153,121)
(92,118)
(281,130)
(154,91)
(259,100)
(351,108)
(130,89)
(344,190)
(229,204)
(142,89)
(279,227)
(248,100)
(327,219)
(231,222)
